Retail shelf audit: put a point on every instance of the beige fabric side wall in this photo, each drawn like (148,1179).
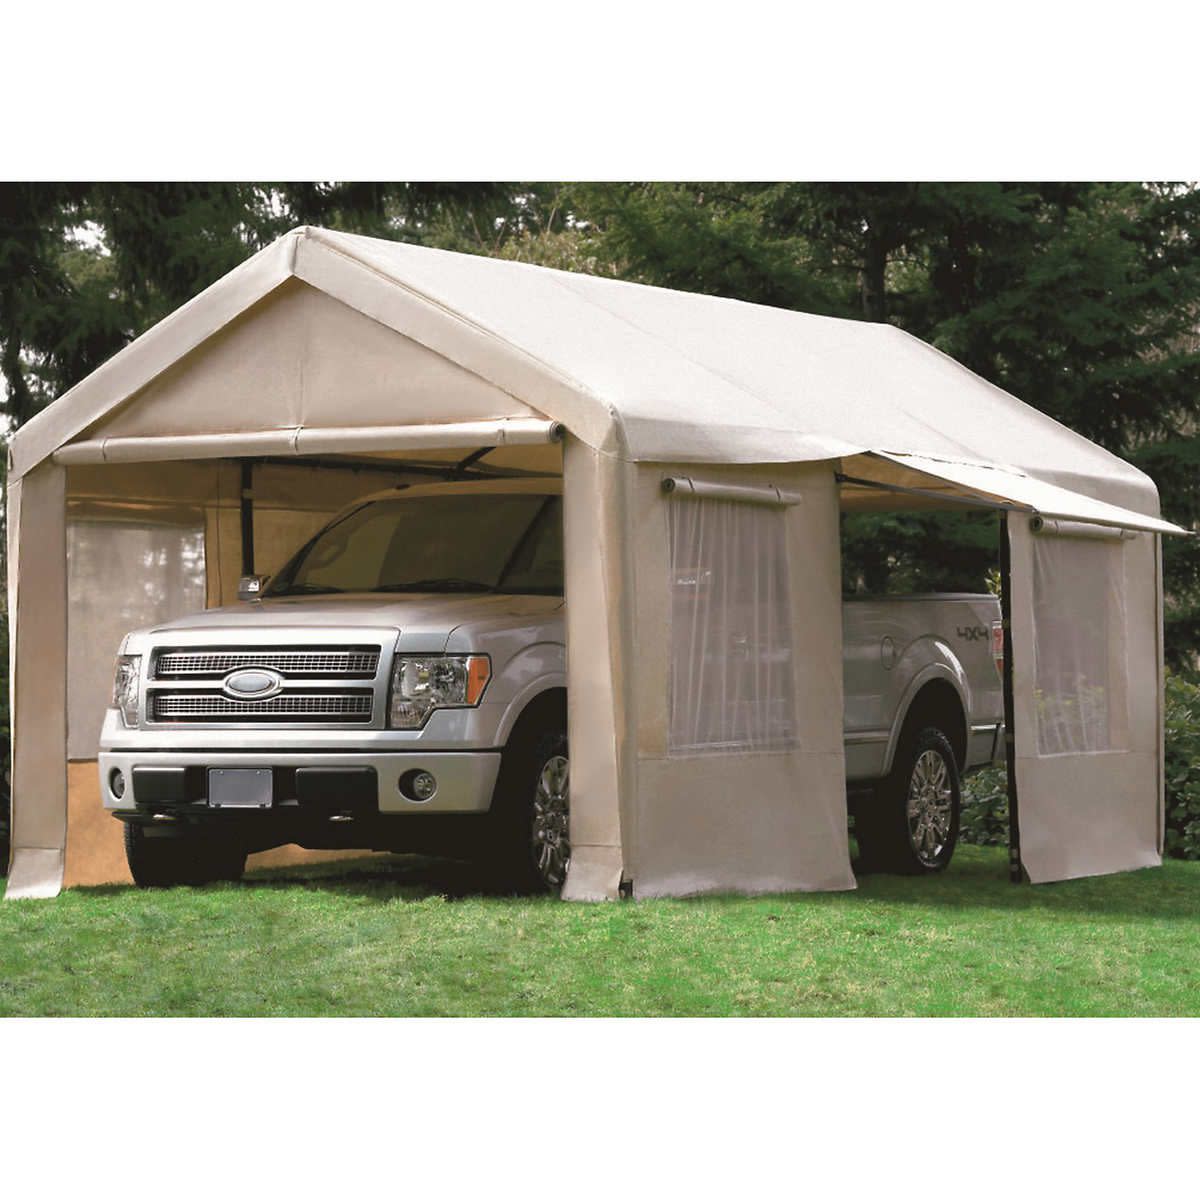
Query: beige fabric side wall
(762,822)
(599,667)
(456,338)
(1160,745)
(302,358)
(12,562)
(1090,814)
(38,615)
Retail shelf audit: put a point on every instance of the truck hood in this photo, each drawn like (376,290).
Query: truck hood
(433,613)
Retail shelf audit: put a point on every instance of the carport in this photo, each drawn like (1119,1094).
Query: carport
(688,430)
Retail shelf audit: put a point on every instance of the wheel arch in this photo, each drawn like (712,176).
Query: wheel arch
(544,707)
(933,699)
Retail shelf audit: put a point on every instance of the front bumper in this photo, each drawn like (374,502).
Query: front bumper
(465,781)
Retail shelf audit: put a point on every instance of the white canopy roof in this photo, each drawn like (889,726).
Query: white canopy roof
(641,373)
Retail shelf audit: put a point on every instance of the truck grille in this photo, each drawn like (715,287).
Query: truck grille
(347,662)
(346,707)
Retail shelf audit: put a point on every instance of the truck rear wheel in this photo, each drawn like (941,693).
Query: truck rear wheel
(910,826)
(532,812)
(180,859)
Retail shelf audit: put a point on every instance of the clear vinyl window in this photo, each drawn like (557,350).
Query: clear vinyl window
(732,681)
(121,575)
(1079,645)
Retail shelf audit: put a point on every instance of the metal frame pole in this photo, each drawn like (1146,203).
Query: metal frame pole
(247,506)
(1015,871)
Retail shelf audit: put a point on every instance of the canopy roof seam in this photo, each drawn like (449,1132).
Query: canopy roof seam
(942,458)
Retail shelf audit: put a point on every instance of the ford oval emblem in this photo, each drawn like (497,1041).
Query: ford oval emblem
(252,684)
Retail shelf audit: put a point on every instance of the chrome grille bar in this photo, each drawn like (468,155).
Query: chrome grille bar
(348,662)
(351,707)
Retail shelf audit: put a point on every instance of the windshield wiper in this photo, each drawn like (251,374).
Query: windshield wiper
(305,589)
(447,584)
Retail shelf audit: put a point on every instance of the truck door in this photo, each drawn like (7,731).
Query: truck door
(1085,617)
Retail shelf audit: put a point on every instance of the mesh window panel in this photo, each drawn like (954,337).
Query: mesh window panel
(1079,645)
(121,576)
(732,680)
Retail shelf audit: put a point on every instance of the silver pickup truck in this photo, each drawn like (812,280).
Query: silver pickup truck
(400,684)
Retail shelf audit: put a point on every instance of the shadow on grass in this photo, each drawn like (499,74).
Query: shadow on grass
(396,877)
(977,880)
(1170,893)
(400,876)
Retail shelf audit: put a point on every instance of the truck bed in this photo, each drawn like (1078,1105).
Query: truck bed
(894,646)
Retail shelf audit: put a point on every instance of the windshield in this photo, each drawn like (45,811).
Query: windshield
(482,542)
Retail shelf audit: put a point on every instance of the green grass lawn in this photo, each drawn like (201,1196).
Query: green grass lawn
(409,937)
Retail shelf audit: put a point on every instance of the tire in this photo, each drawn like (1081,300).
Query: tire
(911,825)
(185,859)
(531,809)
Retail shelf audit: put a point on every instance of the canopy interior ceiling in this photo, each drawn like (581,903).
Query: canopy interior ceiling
(890,481)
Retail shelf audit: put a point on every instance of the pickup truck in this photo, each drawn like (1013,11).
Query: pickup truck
(400,684)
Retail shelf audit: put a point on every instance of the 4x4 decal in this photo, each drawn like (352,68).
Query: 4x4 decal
(972,633)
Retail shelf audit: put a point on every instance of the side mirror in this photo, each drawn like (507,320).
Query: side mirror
(250,587)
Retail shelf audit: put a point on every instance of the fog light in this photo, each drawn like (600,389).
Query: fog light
(418,785)
(116,782)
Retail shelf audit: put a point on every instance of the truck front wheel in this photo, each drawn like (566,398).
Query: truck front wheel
(532,811)
(184,858)
(910,826)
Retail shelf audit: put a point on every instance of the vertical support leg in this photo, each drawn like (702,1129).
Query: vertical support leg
(1015,871)
(597,664)
(37,581)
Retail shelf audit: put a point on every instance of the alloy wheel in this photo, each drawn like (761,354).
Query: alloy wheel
(930,807)
(551,811)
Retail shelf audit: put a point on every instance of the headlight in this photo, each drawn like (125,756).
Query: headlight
(125,687)
(421,684)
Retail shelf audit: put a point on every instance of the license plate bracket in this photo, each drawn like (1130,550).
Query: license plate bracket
(240,787)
